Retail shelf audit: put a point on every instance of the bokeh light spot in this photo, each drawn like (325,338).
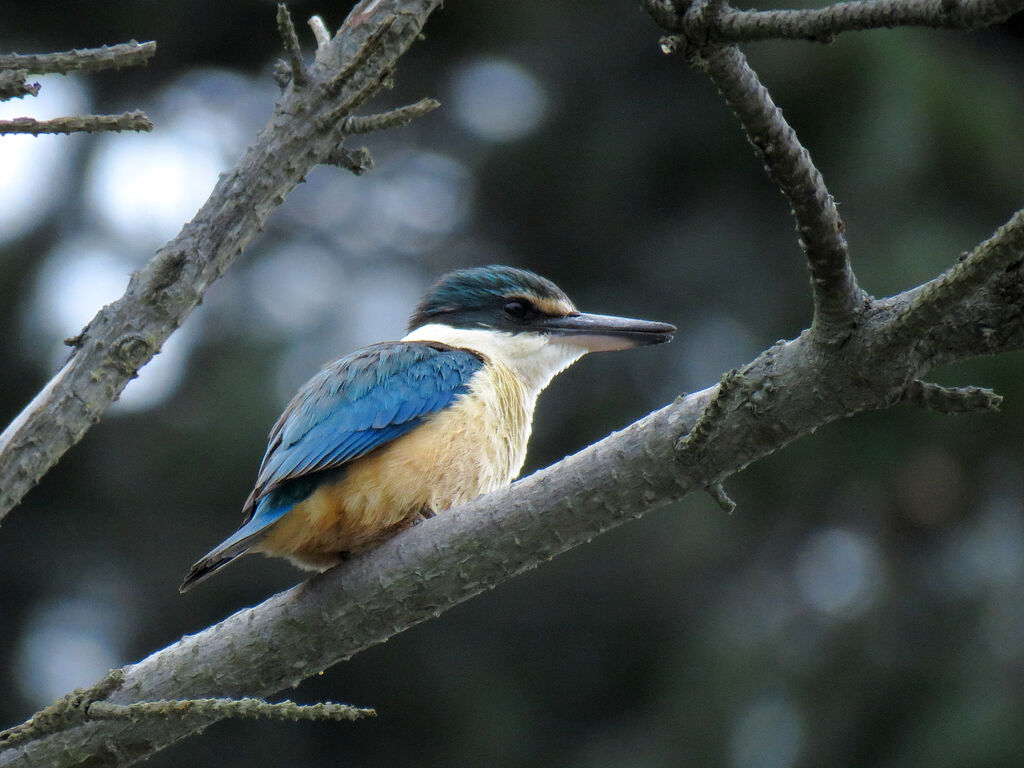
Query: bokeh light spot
(497,100)
(79,277)
(67,643)
(146,186)
(768,733)
(839,572)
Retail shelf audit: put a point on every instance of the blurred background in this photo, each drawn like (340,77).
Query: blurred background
(863,606)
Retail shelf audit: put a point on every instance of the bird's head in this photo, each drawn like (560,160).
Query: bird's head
(515,301)
(523,319)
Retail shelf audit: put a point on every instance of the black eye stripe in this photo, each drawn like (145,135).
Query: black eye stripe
(516,309)
(520,309)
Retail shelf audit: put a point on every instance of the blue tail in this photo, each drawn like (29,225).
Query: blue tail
(271,508)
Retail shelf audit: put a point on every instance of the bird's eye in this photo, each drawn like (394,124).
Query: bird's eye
(517,309)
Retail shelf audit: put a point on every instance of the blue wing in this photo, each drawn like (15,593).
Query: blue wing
(359,403)
(352,406)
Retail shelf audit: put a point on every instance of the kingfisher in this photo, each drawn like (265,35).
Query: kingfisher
(401,430)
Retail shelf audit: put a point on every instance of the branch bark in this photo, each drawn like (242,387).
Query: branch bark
(823,24)
(304,131)
(838,300)
(789,390)
(14,85)
(130,54)
(128,121)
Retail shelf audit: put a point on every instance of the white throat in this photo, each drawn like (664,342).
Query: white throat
(535,357)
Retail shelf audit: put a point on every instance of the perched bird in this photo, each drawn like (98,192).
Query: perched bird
(398,431)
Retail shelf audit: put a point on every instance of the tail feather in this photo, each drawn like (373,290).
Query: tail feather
(268,511)
(204,569)
(235,545)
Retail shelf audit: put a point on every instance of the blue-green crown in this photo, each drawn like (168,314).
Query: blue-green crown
(474,297)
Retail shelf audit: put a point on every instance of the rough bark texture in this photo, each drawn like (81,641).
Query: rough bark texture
(789,390)
(823,24)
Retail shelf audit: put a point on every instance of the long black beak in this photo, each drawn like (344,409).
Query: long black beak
(603,333)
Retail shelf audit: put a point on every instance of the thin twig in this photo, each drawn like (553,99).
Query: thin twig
(357,161)
(837,298)
(721,498)
(81,706)
(245,708)
(130,54)
(129,121)
(391,119)
(291,45)
(951,400)
(320,31)
(14,85)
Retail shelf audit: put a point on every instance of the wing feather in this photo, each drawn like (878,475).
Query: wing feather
(359,403)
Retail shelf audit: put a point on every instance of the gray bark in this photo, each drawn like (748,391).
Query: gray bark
(789,390)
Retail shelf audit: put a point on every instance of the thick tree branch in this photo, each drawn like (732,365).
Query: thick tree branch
(838,300)
(790,390)
(822,24)
(304,131)
(130,54)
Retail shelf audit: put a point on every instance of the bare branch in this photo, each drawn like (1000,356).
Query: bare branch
(391,119)
(14,84)
(131,54)
(124,335)
(951,399)
(785,393)
(721,498)
(822,24)
(246,708)
(838,300)
(129,121)
(291,45)
(81,706)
